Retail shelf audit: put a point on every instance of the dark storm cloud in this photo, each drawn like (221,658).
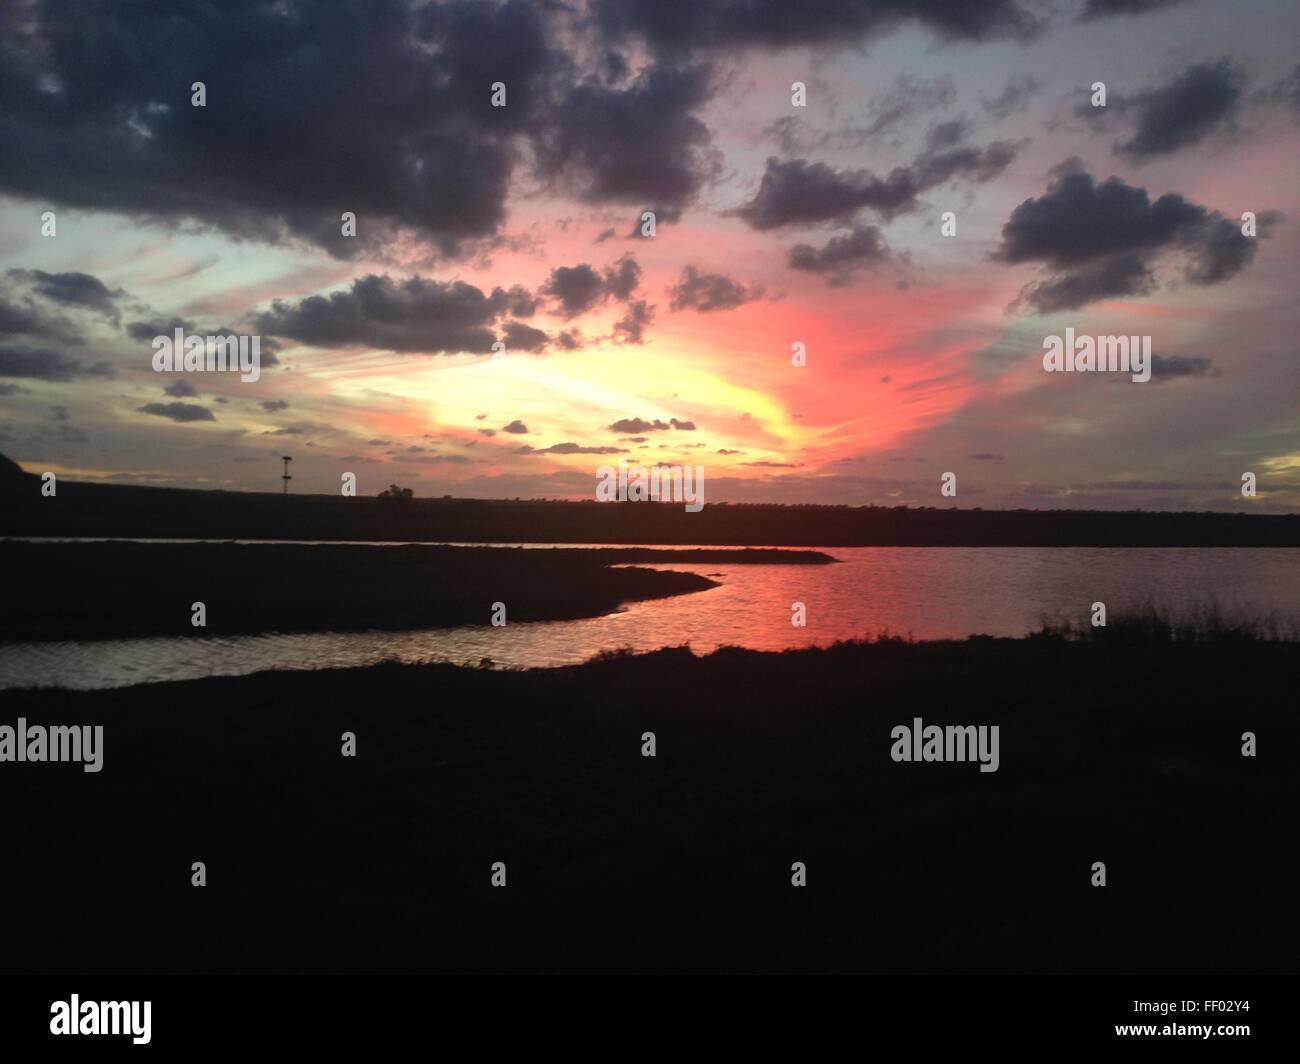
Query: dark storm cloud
(415,315)
(179,412)
(710,291)
(384,109)
(312,108)
(672,25)
(842,255)
(578,289)
(630,329)
(1170,367)
(40,363)
(15,320)
(145,331)
(73,289)
(1102,239)
(795,191)
(637,426)
(798,192)
(640,144)
(1201,100)
(520,337)
(24,319)
(569,340)
(1105,8)
(945,157)
(521,303)
(1121,275)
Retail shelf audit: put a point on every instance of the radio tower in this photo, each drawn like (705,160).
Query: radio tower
(285,476)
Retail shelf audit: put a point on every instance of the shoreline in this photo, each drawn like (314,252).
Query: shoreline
(119,590)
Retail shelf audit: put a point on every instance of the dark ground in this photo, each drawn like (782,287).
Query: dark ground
(1122,753)
(118,510)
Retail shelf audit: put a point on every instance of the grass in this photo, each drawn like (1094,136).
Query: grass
(1149,622)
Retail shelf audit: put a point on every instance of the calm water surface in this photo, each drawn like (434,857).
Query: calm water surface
(926,592)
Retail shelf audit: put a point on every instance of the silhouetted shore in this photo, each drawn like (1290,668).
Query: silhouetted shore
(116,590)
(126,511)
(1120,751)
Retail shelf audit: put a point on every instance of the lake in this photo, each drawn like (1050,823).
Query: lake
(923,592)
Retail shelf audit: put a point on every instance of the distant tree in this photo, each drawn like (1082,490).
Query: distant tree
(395,496)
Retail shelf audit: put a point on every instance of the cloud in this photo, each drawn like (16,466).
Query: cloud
(1013,98)
(40,363)
(1200,101)
(181,389)
(98,115)
(27,320)
(516,427)
(905,100)
(1103,8)
(1101,240)
(636,426)
(631,327)
(842,255)
(521,337)
(1170,367)
(887,113)
(797,192)
(271,406)
(417,315)
(73,289)
(434,459)
(180,412)
(1112,278)
(569,448)
(146,331)
(577,289)
(670,26)
(639,144)
(710,291)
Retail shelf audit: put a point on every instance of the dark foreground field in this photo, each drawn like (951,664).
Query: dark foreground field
(1115,752)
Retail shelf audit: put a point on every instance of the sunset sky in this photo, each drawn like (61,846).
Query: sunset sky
(776,225)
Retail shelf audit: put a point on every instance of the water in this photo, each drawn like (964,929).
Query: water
(925,592)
